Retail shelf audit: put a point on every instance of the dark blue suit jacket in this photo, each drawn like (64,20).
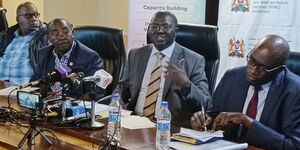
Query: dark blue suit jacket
(279,125)
(80,56)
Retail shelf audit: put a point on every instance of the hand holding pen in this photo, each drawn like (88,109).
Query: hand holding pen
(200,120)
(204,116)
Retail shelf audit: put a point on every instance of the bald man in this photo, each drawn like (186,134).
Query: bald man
(258,103)
(20,43)
(64,50)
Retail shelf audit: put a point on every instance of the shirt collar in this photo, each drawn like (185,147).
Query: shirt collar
(264,86)
(67,55)
(167,52)
(17,33)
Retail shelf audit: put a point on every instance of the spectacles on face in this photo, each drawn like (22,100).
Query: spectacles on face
(251,61)
(30,15)
(157,27)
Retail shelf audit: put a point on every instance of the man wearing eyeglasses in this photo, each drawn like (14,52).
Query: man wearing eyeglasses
(19,45)
(259,103)
(165,71)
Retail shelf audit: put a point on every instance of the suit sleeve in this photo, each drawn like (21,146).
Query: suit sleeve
(199,93)
(37,70)
(286,139)
(95,63)
(125,93)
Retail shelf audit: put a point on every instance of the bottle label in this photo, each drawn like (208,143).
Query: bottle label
(114,118)
(163,126)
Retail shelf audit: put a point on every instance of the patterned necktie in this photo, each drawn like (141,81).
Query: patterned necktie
(252,106)
(153,88)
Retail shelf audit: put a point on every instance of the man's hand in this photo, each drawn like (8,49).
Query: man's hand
(177,74)
(229,118)
(198,122)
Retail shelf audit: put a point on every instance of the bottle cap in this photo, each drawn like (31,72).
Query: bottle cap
(164,104)
(115,96)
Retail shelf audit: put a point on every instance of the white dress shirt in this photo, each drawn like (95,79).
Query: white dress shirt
(139,108)
(262,95)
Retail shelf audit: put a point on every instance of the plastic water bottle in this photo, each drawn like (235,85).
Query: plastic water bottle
(163,127)
(114,120)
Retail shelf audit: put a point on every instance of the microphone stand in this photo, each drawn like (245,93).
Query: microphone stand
(94,124)
(64,101)
(33,131)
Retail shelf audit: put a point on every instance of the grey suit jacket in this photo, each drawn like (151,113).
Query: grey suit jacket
(181,106)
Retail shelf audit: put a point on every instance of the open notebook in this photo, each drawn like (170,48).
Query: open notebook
(203,140)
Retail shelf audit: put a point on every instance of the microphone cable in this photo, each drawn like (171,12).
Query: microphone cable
(8,97)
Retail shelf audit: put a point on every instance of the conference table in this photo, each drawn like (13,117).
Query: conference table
(75,138)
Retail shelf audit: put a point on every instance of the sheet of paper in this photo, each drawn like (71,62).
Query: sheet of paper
(102,110)
(217,145)
(201,135)
(136,122)
(6,91)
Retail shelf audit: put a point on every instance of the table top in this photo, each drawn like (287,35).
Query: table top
(77,139)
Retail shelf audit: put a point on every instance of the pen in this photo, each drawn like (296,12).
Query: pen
(203,114)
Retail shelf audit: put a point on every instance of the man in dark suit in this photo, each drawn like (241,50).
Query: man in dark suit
(65,51)
(258,104)
(181,80)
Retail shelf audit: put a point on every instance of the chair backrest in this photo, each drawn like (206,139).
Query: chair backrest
(293,62)
(109,44)
(3,21)
(203,40)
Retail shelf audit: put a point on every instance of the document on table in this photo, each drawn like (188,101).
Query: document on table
(213,141)
(201,135)
(136,122)
(102,110)
(14,89)
(216,145)
(127,120)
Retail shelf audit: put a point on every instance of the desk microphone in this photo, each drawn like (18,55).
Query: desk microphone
(100,77)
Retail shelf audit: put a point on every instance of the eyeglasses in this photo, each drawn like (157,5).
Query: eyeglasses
(30,15)
(156,27)
(252,62)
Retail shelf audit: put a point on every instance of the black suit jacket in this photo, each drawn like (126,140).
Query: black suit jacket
(279,124)
(81,56)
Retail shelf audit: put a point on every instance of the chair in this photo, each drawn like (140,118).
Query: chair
(293,62)
(203,40)
(109,44)
(3,21)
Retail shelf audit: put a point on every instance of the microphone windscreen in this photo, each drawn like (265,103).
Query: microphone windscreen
(64,70)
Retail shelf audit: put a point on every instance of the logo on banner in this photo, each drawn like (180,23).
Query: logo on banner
(240,5)
(236,48)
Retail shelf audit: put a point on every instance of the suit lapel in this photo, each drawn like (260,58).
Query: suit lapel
(73,56)
(176,56)
(241,97)
(272,97)
(142,61)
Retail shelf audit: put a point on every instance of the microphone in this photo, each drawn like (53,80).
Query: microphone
(33,83)
(73,80)
(57,74)
(101,78)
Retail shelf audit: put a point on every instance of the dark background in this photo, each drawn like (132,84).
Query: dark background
(212,11)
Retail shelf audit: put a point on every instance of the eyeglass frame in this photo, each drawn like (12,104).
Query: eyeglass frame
(260,67)
(30,15)
(164,27)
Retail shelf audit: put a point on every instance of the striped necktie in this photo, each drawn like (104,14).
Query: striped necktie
(153,88)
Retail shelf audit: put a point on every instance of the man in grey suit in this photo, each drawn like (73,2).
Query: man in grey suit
(182,80)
